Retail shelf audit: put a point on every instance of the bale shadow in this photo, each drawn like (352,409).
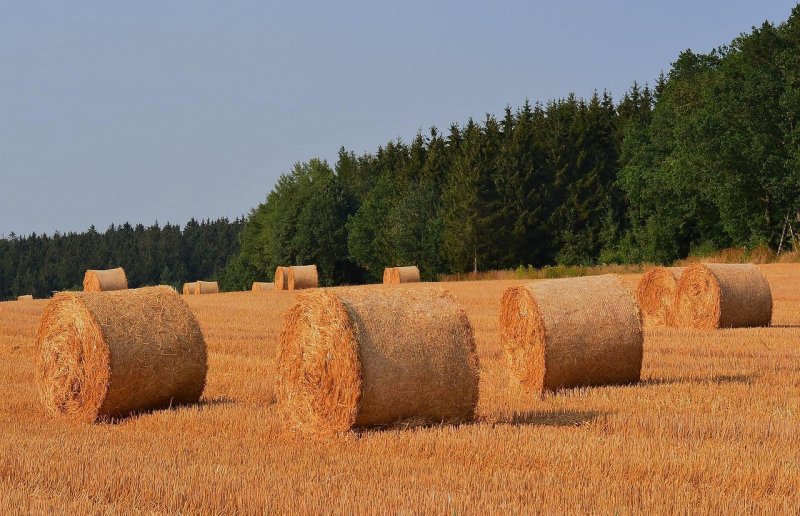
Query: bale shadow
(558,418)
(200,405)
(221,400)
(722,379)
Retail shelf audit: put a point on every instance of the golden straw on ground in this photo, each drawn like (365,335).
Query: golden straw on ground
(572,332)
(105,280)
(716,295)
(365,357)
(106,355)
(656,295)
(397,275)
(282,278)
(302,276)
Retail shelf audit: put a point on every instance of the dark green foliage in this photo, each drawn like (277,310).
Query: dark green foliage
(708,158)
(41,264)
(717,164)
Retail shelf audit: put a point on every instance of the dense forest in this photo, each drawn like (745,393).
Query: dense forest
(41,264)
(706,158)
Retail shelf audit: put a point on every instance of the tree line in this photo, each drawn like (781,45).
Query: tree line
(706,158)
(152,255)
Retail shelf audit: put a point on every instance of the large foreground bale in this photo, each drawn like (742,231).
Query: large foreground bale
(368,357)
(716,295)
(397,275)
(282,278)
(656,295)
(190,288)
(108,354)
(105,280)
(302,276)
(26,297)
(261,286)
(572,332)
(207,287)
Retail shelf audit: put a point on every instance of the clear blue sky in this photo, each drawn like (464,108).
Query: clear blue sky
(166,110)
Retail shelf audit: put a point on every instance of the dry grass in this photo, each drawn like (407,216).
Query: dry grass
(714,427)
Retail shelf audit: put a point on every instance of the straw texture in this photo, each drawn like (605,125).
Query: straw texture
(715,295)
(364,357)
(656,295)
(261,286)
(282,278)
(26,297)
(207,287)
(109,354)
(190,288)
(302,276)
(572,332)
(397,275)
(105,280)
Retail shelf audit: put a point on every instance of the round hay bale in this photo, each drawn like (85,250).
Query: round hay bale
(572,332)
(398,275)
(656,295)
(106,355)
(302,276)
(190,288)
(716,295)
(367,357)
(261,286)
(26,297)
(282,278)
(105,280)
(207,287)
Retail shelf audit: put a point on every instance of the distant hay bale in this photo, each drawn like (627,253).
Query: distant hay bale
(105,355)
(397,275)
(656,295)
(366,357)
(572,332)
(713,295)
(105,280)
(302,276)
(207,287)
(26,297)
(190,288)
(261,286)
(282,278)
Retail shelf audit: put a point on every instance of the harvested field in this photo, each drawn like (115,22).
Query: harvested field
(713,427)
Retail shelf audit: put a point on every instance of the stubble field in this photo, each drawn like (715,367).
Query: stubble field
(713,427)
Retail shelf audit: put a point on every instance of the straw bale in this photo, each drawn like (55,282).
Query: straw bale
(261,286)
(363,357)
(26,297)
(716,295)
(302,276)
(572,332)
(106,355)
(656,295)
(190,288)
(105,280)
(207,287)
(397,275)
(282,278)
